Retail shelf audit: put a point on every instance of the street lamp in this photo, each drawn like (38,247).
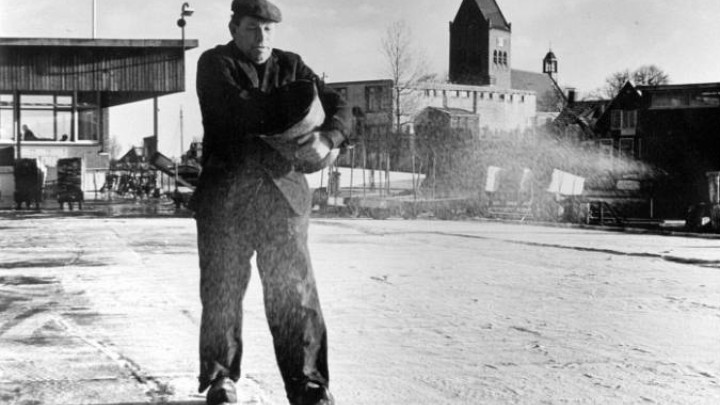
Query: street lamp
(185,11)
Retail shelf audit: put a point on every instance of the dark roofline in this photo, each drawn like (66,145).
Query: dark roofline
(505,24)
(686,86)
(508,24)
(98,43)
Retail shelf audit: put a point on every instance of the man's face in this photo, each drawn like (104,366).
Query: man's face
(254,38)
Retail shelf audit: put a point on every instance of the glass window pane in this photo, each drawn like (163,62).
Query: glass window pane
(6,124)
(37,101)
(64,125)
(37,124)
(64,102)
(87,124)
(6,100)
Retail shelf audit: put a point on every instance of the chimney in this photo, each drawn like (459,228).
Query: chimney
(571,96)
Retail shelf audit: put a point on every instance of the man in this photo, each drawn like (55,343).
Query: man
(28,135)
(251,199)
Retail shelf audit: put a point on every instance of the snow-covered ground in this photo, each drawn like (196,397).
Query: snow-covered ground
(419,312)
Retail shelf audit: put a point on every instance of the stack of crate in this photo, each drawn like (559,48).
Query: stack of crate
(28,183)
(69,181)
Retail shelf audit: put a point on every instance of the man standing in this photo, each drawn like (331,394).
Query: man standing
(250,199)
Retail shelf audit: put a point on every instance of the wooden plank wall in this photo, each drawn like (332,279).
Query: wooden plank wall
(54,69)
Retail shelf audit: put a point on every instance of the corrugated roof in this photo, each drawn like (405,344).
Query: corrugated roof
(99,43)
(491,11)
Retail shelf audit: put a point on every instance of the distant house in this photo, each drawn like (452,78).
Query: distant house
(673,128)
(577,119)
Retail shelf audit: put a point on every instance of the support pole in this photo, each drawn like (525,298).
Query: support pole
(155,122)
(16,120)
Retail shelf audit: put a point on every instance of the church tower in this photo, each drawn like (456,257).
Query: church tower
(480,46)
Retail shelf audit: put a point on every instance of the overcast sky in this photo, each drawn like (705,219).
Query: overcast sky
(341,38)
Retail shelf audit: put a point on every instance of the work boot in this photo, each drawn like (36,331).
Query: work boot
(314,394)
(222,392)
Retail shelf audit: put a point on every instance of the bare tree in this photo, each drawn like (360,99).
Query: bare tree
(647,75)
(615,82)
(114,147)
(650,75)
(406,66)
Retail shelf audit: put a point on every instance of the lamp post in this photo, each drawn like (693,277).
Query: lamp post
(185,11)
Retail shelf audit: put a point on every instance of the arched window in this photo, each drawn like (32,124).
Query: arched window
(495,57)
(504,58)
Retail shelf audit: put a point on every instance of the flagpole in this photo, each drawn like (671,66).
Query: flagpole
(94,18)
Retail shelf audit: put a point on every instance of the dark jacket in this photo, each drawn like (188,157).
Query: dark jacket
(233,111)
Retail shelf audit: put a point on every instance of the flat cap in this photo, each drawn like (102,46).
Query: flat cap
(257,8)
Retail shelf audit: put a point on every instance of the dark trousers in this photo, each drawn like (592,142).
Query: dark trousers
(239,215)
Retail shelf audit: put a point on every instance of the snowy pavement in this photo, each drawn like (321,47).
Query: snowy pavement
(106,310)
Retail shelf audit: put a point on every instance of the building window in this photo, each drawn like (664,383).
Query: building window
(629,122)
(624,121)
(88,122)
(374,96)
(7,110)
(627,147)
(495,57)
(522,99)
(615,119)
(49,117)
(342,91)
(606,147)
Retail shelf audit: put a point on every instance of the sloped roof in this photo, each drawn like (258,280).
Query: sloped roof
(531,81)
(491,11)
(134,155)
(540,83)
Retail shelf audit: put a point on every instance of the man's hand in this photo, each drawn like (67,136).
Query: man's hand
(314,147)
